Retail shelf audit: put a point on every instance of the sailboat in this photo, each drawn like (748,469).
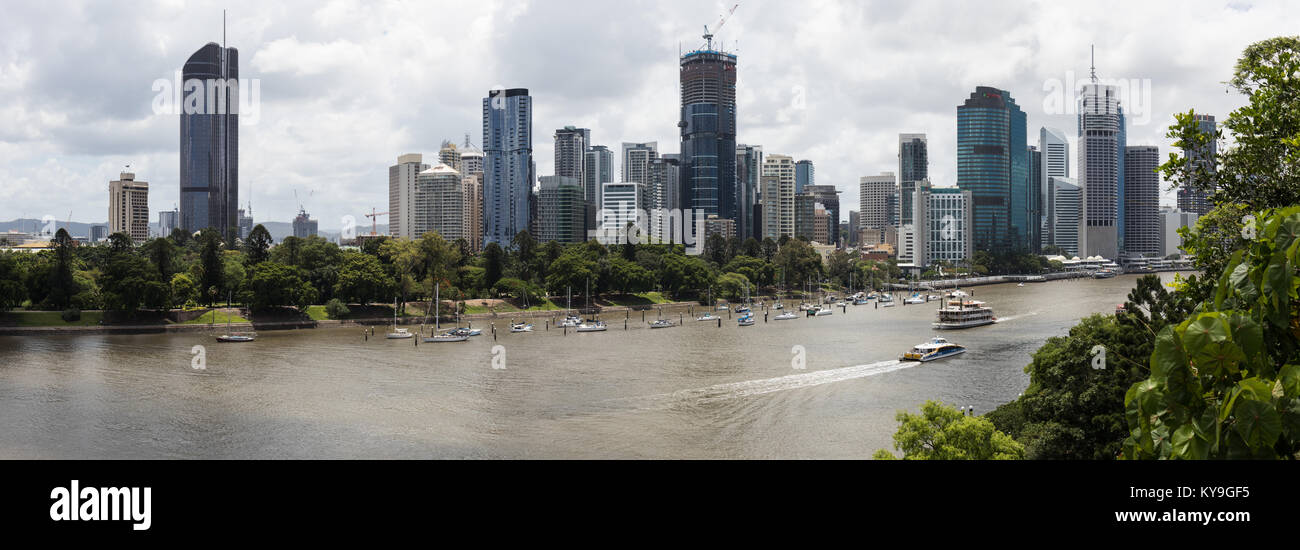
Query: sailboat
(397,333)
(571,320)
(233,337)
(437,323)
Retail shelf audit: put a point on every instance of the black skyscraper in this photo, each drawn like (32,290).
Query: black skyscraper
(210,142)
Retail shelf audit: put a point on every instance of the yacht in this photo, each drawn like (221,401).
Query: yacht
(822,311)
(959,314)
(707,317)
(463,331)
(521,327)
(399,334)
(936,348)
(914,299)
(233,337)
(449,336)
(571,321)
(661,323)
(746,321)
(786,316)
(592,326)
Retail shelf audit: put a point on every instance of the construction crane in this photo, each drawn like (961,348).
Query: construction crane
(374,221)
(708,35)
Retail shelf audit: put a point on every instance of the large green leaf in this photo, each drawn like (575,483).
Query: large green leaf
(1276,289)
(1219,358)
(1249,336)
(1258,423)
(1168,356)
(1189,445)
(1288,232)
(1290,380)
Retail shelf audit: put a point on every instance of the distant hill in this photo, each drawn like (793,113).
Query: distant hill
(278,230)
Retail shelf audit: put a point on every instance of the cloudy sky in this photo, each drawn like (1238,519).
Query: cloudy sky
(347,86)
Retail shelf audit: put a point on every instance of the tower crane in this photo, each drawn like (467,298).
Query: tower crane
(708,35)
(374,220)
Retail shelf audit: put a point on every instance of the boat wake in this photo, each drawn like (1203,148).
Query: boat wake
(1014,317)
(735,390)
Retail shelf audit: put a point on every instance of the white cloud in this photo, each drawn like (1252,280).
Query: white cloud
(349,85)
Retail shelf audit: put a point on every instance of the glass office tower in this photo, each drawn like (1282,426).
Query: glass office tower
(993,164)
(209,178)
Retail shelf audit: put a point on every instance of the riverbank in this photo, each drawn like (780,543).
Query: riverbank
(306,323)
(999,279)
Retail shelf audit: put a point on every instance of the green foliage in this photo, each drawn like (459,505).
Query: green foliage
(680,273)
(184,290)
(12,292)
(336,309)
(362,279)
(1225,383)
(71,315)
(732,286)
(272,284)
(798,262)
(944,433)
(494,260)
(257,247)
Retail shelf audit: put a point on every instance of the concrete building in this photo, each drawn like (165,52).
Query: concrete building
(401,194)
(570,148)
(714,225)
(778,205)
(439,203)
(128,207)
(663,189)
(913,166)
(1171,220)
(1054,150)
(1065,214)
(873,204)
(303,225)
(942,225)
(621,213)
(829,197)
(168,220)
(805,216)
(471,184)
(598,169)
(245,222)
(1101,170)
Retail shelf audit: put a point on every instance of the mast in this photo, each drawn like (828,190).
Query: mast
(437,303)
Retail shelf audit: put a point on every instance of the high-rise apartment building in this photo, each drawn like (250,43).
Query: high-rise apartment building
(508,171)
(304,225)
(128,207)
(570,147)
(597,170)
(749,173)
(778,207)
(401,194)
(873,202)
(804,175)
(561,210)
(828,196)
(439,203)
(941,227)
(913,166)
(1193,199)
(1065,214)
(621,212)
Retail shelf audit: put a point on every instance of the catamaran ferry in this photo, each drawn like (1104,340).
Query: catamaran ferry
(959,313)
(936,348)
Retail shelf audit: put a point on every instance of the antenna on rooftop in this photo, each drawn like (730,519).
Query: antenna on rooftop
(1094,64)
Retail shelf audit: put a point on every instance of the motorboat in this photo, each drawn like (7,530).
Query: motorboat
(786,316)
(661,323)
(521,327)
(746,321)
(236,338)
(936,348)
(571,321)
(707,317)
(914,299)
(465,331)
(822,311)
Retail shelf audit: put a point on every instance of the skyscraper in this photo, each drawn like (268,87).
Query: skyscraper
(942,225)
(804,175)
(167,221)
(209,155)
(708,132)
(508,171)
(805,212)
(1194,200)
(663,188)
(597,170)
(401,194)
(1035,199)
(636,161)
(873,202)
(829,197)
(1065,213)
(128,207)
(570,146)
(561,210)
(1055,150)
(913,166)
(778,207)
(749,173)
(471,185)
(992,164)
(1141,200)
(1101,169)
(439,203)
(621,209)
(304,225)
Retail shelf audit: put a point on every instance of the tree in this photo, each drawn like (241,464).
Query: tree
(1225,383)
(626,276)
(162,253)
(12,292)
(179,237)
(272,284)
(258,246)
(732,286)
(681,273)
(1262,167)
(62,286)
(404,255)
(212,270)
(336,309)
(944,433)
(184,290)
(570,271)
(494,260)
(715,250)
(770,247)
(752,248)
(524,247)
(362,279)
(756,270)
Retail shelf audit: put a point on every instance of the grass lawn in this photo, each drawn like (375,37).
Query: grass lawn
(214,317)
(639,299)
(317,313)
(472,306)
(52,319)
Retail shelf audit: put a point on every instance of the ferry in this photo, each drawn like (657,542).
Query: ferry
(1103,274)
(959,314)
(936,348)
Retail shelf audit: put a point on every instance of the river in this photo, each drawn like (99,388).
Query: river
(693,391)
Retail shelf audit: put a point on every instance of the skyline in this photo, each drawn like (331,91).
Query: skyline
(335,111)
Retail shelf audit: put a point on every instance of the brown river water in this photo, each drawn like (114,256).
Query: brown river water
(692,391)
